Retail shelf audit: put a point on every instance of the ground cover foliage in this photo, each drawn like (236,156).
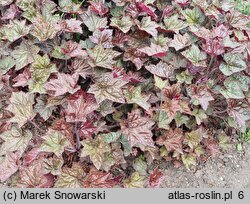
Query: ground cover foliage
(99,93)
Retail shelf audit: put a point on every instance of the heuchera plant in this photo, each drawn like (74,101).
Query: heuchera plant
(100,93)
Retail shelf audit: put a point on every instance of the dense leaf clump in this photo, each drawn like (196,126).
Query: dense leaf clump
(102,93)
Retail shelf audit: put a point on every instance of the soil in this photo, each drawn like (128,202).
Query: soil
(228,170)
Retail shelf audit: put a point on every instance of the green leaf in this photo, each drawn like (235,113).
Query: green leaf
(184,77)
(95,149)
(188,160)
(24,54)
(163,120)
(140,166)
(126,145)
(133,95)
(135,181)
(53,165)
(195,56)
(193,16)
(70,177)
(41,108)
(41,69)
(106,107)
(110,137)
(54,141)
(233,89)
(124,24)
(224,141)
(93,22)
(108,161)
(172,23)
(15,139)
(160,83)
(6,64)
(102,57)
(199,114)
(193,139)
(234,63)
(149,26)
(180,119)
(44,29)
(14,30)
(21,105)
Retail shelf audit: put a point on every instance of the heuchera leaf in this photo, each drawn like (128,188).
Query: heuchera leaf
(140,165)
(154,50)
(22,79)
(133,95)
(233,63)
(161,69)
(107,87)
(200,94)
(54,141)
(11,12)
(110,137)
(93,22)
(137,129)
(233,89)
(6,64)
(193,16)
(188,160)
(99,8)
(40,69)
(195,56)
(79,106)
(87,129)
(149,26)
(69,6)
(9,166)
(95,149)
(103,38)
(41,108)
(124,24)
(70,177)
(24,54)
(192,139)
(6,2)
(14,30)
(15,139)
(214,47)
(172,140)
(73,49)
(22,107)
(71,26)
(180,41)
(156,178)
(33,176)
(64,83)
(160,83)
(135,181)
(53,165)
(174,24)
(43,29)
(199,114)
(102,57)
(98,179)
